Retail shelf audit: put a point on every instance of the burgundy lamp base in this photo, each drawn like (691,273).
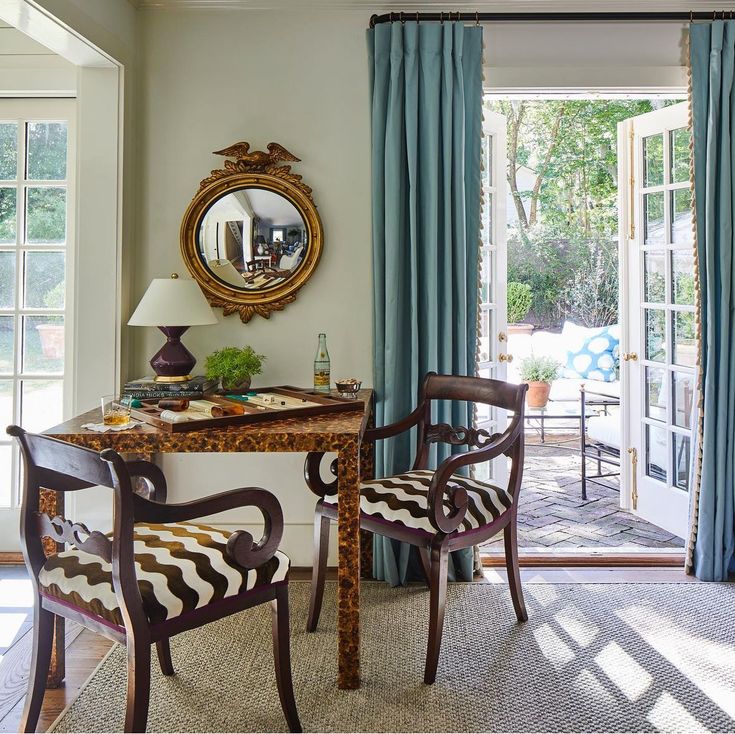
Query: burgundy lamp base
(173,362)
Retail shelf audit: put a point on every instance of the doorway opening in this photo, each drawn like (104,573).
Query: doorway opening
(587,294)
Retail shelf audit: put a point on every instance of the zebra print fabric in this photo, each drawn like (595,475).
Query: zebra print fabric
(180,567)
(403,499)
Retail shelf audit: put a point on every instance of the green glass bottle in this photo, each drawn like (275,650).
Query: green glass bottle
(322,366)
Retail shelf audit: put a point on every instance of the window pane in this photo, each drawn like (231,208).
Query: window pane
(42,404)
(487,161)
(685,343)
(653,160)
(43,344)
(6,478)
(679,155)
(487,220)
(7,344)
(7,279)
(8,151)
(681,216)
(653,218)
(682,267)
(44,280)
(485,324)
(656,393)
(655,335)
(683,398)
(6,404)
(656,453)
(486,277)
(7,214)
(46,151)
(654,278)
(46,214)
(682,454)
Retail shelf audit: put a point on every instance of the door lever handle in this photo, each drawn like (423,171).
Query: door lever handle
(630,357)
(505,357)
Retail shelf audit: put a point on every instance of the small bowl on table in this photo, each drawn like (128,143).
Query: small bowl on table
(348,388)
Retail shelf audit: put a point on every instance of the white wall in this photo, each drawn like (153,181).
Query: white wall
(301,79)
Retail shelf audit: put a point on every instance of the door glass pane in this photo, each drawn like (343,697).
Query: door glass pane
(685,344)
(8,151)
(654,277)
(6,404)
(487,220)
(7,344)
(682,268)
(7,279)
(655,335)
(42,403)
(653,160)
(681,216)
(43,344)
(656,453)
(679,140)
(656,393)
(487,156)
(485,326)
(486,277)
(7,214)
(653,218)
(683,392)
(6,479)
(46,151)
(682,455)
(44,280)
(46,214)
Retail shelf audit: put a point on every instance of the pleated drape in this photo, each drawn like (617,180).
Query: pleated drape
(426,107)
(712,58)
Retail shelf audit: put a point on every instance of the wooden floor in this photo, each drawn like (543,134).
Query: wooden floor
(85,650)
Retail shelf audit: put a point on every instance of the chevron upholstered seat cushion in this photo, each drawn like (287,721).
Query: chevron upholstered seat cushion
(180,567)
(403,499)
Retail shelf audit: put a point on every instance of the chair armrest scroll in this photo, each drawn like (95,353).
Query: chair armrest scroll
(375,434)
(313,476)
(152,476)
(240,546)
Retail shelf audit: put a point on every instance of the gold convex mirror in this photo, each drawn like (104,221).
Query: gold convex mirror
(252,236)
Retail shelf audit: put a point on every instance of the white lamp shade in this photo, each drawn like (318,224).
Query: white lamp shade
(173,302)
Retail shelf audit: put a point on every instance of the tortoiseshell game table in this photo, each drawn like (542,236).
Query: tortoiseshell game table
(341,433)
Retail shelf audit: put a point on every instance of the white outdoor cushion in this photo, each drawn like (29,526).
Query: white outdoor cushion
(604,429)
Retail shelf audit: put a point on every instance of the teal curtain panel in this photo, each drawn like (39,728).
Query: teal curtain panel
(426,128)
(712,58)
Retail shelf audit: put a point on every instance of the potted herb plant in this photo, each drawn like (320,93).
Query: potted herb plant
(538,373)
(519,298)
(234,367)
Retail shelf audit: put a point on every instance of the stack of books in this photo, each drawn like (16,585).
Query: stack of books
(146,388)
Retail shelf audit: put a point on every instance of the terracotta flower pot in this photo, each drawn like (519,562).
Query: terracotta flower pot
(538,394)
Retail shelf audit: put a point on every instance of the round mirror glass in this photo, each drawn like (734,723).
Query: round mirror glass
(252,239)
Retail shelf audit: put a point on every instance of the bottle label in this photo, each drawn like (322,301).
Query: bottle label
(321,379)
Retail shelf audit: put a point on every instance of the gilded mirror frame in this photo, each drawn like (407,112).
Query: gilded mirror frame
(251,169)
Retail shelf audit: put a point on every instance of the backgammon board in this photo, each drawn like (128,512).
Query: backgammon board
(262,404)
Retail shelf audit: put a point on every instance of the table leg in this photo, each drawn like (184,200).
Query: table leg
(52,503)
(348,572)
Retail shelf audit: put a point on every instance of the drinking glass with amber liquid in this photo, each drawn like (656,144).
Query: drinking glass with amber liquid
(114,411)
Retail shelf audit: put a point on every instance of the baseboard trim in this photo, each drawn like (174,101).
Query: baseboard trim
(630,560)
(11,559)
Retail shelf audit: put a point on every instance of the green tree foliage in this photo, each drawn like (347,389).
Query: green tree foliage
(519,301)
(564,244)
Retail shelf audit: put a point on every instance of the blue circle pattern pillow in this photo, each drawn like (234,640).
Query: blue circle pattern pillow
(597,357)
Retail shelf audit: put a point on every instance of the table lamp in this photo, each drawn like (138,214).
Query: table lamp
(260,244)
(176,301)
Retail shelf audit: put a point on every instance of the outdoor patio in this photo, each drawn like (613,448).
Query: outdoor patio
(552,513)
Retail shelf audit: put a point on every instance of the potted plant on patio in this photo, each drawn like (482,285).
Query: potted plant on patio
(519,300)
(234,367)
(538,373)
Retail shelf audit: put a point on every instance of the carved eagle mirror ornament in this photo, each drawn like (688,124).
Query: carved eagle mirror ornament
(252,236)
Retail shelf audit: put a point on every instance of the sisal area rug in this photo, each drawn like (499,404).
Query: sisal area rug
(592,657)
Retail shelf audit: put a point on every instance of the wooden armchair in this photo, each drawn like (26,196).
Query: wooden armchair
(188,574)
(438,511)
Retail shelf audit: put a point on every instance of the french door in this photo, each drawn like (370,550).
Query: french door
(493,275)
(36,259)
(658,351)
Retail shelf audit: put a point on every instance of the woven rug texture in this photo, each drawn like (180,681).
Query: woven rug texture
(592,657)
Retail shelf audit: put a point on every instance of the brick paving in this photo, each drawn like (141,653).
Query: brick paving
(552,513)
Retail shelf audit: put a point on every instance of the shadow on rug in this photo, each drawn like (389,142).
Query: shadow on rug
(592,657)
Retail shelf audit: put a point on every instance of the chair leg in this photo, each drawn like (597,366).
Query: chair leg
(139,685)
(510,536)
(282,657)
(425,563)
(163,649)
(437,603)
(43,637)
(319,570)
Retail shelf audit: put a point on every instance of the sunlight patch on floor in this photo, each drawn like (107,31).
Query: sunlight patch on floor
(16,593)
(632,679)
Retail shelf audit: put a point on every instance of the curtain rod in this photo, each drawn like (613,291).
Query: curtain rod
(478,17)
